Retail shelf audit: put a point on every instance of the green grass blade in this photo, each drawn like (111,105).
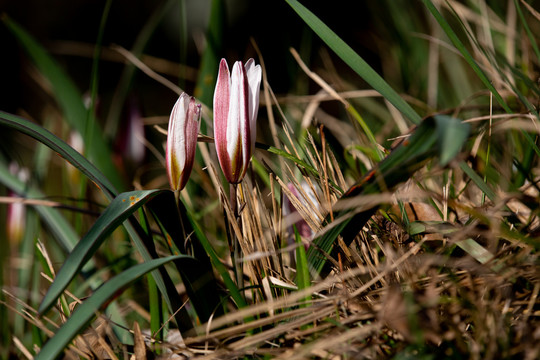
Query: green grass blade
(351,58)
(527,29)
(199,280)
(70,101)
(87,310)
(452,135)
(465,53)
(477,179)
(59,146)
(119,210)
(218,265)
(302,269)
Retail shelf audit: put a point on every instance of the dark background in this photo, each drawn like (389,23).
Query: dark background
(271,23)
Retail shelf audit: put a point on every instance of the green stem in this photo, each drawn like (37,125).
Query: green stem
(236,251)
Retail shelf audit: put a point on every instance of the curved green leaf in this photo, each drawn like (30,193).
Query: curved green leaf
(351,58)
(87,310)
(62,231)
(199,280)
(119,210)
(62,148)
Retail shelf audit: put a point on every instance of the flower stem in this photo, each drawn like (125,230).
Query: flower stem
(236,251)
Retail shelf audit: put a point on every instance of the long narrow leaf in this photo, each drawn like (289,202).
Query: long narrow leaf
(119,210)
(199,280)
(477,179)
(61,147)
(87,310)
(351,58)
(302,269)
(465,53)
(218,265)
(59,227)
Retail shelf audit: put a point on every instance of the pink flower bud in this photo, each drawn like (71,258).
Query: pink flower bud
(182,140)
(236,103)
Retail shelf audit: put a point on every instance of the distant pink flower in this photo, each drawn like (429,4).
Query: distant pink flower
(182,135)
(16,213)
(236,103)
(130,141)
(289,210)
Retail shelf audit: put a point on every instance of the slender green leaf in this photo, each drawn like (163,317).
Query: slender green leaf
(119,210)
(530,35)
(218,265)
(477,251)
(58,145)
(302,269)
(465,53)
(452,135)
(439,227)
(88,309)
(199,280)
(351,58)
(477,179)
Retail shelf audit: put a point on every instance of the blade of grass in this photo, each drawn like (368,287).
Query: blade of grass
(530,35)
(62,148)
(199,281)
(87,310)
(116,213)
(302,269)
(156,313)
(466,55)
(59,227)
(351,58)
(477,179)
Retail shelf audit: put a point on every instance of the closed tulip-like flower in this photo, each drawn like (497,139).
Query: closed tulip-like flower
(182,140)
(236,103)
